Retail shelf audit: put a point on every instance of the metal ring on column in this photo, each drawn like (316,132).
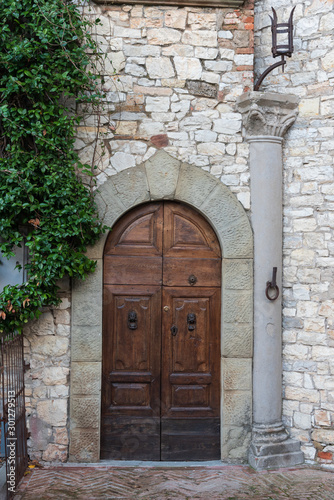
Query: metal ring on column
(271,285)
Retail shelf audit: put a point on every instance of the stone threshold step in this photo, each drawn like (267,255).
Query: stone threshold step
(142,463)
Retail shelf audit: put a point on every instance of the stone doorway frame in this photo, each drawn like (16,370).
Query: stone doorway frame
(163,177)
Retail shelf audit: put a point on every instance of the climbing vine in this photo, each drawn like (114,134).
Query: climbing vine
(45,55)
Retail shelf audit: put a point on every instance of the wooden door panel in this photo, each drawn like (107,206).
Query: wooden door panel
(187,233)
(130,363)
(139,232)
(132,270)
(178,272)
(190,439)
(133,251)
(191,377)
(131,372)
(191,357)
(130,438)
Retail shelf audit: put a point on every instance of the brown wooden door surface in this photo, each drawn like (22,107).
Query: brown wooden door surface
(161,337)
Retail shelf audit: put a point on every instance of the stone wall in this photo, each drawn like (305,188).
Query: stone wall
(308,219)
(171,77)
(47,354)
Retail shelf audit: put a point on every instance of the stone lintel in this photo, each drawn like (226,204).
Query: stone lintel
(267,113)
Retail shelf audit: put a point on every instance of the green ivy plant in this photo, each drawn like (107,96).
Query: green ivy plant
(45,48)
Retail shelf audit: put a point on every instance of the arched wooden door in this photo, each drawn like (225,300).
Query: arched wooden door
(161,336)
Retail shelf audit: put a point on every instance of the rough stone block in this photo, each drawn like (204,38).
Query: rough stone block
(158,167)
(86,343)
(91,283)
(44,325)
(85,445)
(85,378)
(131,186)
(323,436)
(227,215)
(49,345)
(303,395)
(55,375)
(237,374)
(194,185)
(60,435)
(235,442)
(202,20)
(188,68)
(120,32)
(122,161)
(53,411)
(238,306)
(202,38)
(159,67)
(176,19)
(211,149)
(96,251)
(157,104)
(237,408)
(238,240)
(85,412)
(218,66)
(238,274)
(148,128)
(178,50)
(160,141)
(63,330)
(163,36)
(237,341)
(87,308)
(309,107)
(322,418)
(194,122)
(202,89)
(126,128)
(55,453)
(106,197)
(206,53)
(40,432)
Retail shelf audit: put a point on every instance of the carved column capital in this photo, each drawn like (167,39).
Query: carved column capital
(266,113)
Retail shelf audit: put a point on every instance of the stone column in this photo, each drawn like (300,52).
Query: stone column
(266,118)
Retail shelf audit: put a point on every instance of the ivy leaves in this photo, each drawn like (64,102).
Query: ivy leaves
(44,46)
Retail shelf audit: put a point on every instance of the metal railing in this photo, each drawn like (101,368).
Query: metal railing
(12,411)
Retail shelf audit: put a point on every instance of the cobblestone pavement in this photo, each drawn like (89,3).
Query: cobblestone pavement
(223,482)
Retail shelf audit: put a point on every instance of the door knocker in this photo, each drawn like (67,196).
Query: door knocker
(132,320)
(191,322)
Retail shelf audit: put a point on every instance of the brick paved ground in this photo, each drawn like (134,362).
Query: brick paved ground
(223,482)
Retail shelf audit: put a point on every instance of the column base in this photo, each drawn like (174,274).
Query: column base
(271,448)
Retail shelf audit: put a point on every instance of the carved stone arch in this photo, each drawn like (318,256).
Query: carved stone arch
(163,177)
